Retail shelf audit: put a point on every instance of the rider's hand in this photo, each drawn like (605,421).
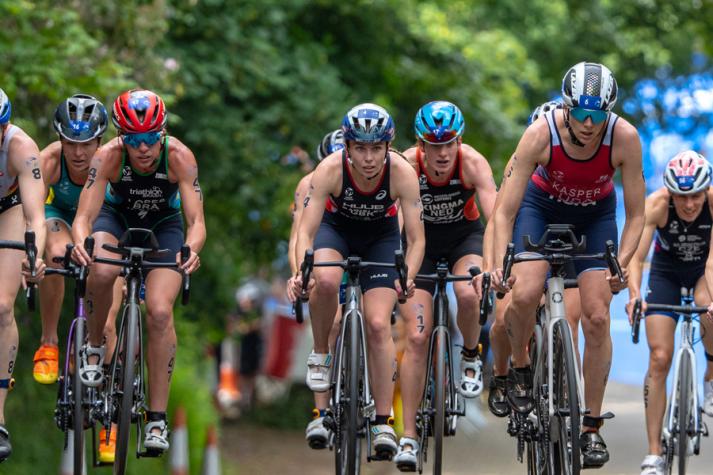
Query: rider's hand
(191,265)
(497,284)
(709,314)
(630,308)
(80,255)
(614,283)
(39,271)
(410,288)
(294,289)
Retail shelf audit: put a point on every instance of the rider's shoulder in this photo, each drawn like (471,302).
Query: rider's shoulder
(409,155)
(536,138)
(329,170)
(470,154)
(624,130)
(21,141)
(180,154)
(402,168)
(51,152)
(657,202)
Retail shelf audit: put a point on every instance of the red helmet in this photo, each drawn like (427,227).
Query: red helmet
(138,111)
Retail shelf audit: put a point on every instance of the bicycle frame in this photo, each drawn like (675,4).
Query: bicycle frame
(554,312)
(685,351)
(353,310)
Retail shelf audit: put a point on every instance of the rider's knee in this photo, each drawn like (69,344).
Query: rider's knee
(659,362)
(378,329)
(597,325)
(327,286)
(6,313)
(102,276)
(160,318)
(525,296)
(418,340)
(466,297)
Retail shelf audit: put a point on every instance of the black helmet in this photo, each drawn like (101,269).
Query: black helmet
(80,118)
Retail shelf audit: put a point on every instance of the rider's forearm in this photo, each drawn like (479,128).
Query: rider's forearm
(196,235)
(414,256)
(635,275)
(37,224)
(630,237)
(502,234)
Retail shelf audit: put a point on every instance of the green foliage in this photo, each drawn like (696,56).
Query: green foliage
(247,80)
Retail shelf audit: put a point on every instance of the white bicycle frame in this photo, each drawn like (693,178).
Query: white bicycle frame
(554,312)
(353,299)
(685,351)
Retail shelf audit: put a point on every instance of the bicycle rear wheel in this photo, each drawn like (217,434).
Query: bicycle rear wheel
(78,398)
(566,420)
(125,389)
(685,416)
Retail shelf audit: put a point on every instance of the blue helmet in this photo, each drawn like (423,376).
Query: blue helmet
(5,108)
(368,123)
(439,122)
(542,109)
(331,142)
(80,118)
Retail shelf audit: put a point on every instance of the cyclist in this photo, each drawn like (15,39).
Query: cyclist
(497,399)
(317,434)
(142,170)
(20,183)
(358,186)
(80,122)
(680,215)
(572,183)
(451,173)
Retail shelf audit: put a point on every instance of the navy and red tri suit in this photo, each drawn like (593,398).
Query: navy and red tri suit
(679,259)
(572,191)
(451,219)
(364,224)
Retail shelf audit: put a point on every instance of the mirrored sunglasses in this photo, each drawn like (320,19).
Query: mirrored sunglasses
(581,115)
(135,140)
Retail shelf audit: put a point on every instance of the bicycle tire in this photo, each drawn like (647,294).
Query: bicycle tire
(567,452)
(684,416)
(353,402)
(126,387)
(439,414)
(77,399)
(537,454)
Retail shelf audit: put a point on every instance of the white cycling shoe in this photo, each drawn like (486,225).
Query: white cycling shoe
(406,458)
(318,371)
(92,375)
(157,442)
(383,441)
(653,465)
(708,398)
(317,435)
(471,386)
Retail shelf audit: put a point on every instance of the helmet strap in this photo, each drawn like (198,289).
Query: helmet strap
(573,138)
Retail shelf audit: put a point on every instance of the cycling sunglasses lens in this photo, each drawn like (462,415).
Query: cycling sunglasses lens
(581,114)
(135,140)
(439,137)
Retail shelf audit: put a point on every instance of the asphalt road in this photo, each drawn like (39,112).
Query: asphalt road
(481,446)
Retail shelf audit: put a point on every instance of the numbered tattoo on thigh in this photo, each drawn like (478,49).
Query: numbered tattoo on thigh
(55,227)
(419,317)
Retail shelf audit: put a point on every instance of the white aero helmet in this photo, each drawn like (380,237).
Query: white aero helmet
(590,86)
(687,173)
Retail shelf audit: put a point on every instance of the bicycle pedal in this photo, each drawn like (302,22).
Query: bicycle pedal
(704,429)
(153,453)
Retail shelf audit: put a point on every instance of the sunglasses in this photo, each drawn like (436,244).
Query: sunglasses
(581,114)
(440,136)
(135,140)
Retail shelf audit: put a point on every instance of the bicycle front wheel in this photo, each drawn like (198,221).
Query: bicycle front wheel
(347,453)
(125,389)
(685,415)
(538,450)
(440,377)
(77,398)
(566,420)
